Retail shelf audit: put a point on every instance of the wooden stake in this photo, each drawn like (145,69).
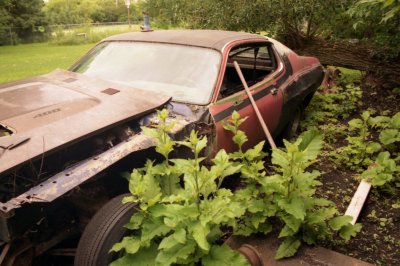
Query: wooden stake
(358,200)
(263,125)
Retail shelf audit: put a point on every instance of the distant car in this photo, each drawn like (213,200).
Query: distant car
(66,136)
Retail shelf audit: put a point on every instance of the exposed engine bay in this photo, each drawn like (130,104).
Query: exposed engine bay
(33,173)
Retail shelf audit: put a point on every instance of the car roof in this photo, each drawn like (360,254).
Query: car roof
(214,39)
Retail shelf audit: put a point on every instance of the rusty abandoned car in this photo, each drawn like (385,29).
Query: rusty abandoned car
(65,137)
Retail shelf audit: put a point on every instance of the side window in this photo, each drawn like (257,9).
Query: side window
(256,62)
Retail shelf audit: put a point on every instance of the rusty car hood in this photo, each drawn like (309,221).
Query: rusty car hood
(47,112)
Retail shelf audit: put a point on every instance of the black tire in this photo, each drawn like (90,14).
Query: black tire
(104,230)
(291,130)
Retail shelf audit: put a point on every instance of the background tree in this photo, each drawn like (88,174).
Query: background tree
(84,11)
(21,19)
(359,34)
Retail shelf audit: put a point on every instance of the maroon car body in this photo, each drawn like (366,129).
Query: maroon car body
(66,136)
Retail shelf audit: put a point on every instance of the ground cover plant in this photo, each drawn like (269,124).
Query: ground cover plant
(361,143)
(184,211)
(27,60)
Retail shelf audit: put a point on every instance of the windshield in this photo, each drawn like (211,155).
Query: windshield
(186,73)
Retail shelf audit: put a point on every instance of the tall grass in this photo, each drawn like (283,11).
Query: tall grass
(88,34)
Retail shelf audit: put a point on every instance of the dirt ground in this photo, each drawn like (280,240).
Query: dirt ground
(379,240)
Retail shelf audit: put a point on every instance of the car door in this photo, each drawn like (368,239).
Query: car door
(260,66)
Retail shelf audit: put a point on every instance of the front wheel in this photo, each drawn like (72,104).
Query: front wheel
(104,230)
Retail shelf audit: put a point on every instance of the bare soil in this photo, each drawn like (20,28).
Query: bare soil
(379,240)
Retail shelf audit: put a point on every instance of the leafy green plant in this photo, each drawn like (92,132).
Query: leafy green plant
(177,224)
(183,206)
(382,171)
(390,128)
(289,195)
(360,149)
(327,109)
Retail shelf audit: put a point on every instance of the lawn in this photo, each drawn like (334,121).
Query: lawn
(27,60)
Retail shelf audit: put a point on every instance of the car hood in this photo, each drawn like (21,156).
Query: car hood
(47,112)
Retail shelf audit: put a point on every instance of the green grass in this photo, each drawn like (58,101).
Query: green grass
(27,60)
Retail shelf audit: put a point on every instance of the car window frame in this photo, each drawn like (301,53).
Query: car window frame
(280,66)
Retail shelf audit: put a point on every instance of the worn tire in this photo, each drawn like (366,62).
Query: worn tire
(104,230)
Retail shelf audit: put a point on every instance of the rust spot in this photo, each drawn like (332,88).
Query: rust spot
(69,80)
(110,91)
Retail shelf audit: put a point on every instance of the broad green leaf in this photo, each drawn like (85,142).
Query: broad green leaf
(224,256)
(235,116)
(286,231)
(152,228)
(294,206)
(280,158)
(169,183)
(136,221)
(239,138)
(322,202)
(288,248)
(200,233)
(256,205)
(201,144)
(373,147)
(311,140)
(255,152)
(348,231)
(384,160)
(162,114)
(145,257)
(379,121)
(165,147)
(273,184)
(178,237)
(152,132)
(366,115)
(174,214)
(293,223)
(340,221)
(395,121)
(131,244)
(389,136)
(228,126)
(130,199)
(257,219)
(356,123)
(178,252)
(320,215)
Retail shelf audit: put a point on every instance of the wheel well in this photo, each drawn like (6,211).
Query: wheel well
(307,99)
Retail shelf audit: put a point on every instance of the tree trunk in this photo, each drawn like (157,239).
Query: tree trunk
(354,55)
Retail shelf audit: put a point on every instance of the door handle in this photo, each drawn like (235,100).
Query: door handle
(274,91)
